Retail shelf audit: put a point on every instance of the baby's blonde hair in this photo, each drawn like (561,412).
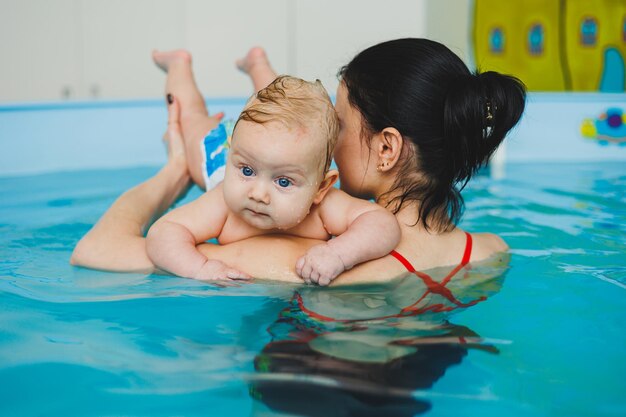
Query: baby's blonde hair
(296,103)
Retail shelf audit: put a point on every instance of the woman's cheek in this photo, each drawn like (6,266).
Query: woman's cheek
(339,155)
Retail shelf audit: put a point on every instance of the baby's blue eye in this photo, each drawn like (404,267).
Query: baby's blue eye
(284,182)
(247,171)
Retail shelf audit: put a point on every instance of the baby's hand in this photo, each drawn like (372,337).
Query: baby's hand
(320,265)
(213,270)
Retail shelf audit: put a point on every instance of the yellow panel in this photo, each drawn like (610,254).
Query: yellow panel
(531,41)
(585,53)
(545,69)
(490,15)
(585,57)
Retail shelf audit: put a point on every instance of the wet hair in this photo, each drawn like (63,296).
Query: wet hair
(296,103)
(453,120)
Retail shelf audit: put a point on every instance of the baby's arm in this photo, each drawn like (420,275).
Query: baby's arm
(363,230)
(171,241)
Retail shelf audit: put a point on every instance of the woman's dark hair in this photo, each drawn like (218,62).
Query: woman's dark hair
(454,119)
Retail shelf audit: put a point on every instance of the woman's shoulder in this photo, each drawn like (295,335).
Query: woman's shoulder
(378,270)
(486,244)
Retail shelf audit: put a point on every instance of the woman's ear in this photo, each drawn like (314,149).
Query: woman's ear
(329,180)
(388,145)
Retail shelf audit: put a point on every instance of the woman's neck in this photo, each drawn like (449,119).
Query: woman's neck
(408,214)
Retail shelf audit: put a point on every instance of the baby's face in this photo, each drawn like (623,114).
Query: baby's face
(272,175)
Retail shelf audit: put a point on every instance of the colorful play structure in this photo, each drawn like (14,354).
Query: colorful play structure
(554,45)
(608,128)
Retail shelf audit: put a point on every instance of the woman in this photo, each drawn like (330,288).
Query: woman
(415,126)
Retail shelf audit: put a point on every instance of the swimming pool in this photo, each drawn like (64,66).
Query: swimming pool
(548,340)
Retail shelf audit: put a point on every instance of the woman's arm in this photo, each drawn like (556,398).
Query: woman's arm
(270,257)
(274,257)
(116,242)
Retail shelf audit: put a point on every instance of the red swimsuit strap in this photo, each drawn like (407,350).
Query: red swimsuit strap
(467,254)
(468,249)
(432,285)
(438,287)
(402,260)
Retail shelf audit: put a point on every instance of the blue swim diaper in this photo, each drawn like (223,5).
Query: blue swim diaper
(214,149)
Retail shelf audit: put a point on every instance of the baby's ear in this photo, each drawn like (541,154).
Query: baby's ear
(329,180)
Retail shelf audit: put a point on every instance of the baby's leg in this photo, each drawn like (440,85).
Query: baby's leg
(258,67)
(194,117)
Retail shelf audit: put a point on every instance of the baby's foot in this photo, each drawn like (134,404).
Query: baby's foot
(256,57)
(165,59)
(258,67)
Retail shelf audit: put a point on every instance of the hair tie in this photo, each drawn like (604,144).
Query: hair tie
(489,112)
(489,118)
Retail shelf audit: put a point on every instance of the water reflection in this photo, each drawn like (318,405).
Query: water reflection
(362,351)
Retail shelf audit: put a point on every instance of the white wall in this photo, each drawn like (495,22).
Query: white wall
(83,49)
(450,22)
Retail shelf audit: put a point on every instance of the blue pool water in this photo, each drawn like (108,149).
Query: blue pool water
(548,340)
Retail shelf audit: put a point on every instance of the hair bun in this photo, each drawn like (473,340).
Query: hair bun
(479,111)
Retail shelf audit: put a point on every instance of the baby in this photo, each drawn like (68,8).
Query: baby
(276,180)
